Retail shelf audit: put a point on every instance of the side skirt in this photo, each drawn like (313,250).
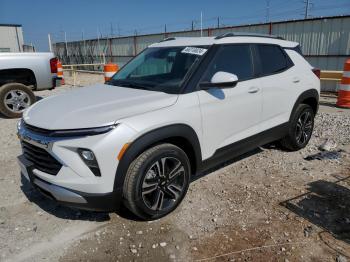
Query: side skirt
(236,149)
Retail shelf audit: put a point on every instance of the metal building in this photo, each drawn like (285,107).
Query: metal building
(11,38)
(325,42)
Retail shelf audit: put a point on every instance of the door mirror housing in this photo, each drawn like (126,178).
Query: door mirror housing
(221,80)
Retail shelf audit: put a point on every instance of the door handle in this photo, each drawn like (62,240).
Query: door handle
(253,90)
(296,80)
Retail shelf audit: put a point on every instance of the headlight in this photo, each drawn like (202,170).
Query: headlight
(83,131)
(19,124)
(66,132)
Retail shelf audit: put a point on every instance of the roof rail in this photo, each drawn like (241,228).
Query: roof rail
(167,39)
(249,35)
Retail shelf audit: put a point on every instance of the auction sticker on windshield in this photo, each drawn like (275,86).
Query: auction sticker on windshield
(194,50)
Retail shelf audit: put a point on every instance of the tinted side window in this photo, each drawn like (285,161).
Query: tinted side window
(235,59)
(272,59)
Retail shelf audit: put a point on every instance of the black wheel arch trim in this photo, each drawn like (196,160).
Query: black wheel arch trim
(151,138)
(310,93)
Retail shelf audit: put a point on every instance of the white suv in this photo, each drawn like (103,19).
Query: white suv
(178,108)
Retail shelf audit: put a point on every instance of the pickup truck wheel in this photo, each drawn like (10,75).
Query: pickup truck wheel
(300,129)
(157,181)
(14,99)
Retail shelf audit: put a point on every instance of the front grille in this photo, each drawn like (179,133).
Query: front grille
(41,159)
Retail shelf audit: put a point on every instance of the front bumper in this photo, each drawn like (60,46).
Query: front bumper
(69,197)
(73,183)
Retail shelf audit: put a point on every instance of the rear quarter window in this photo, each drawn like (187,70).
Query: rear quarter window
(272,59)
(298,50)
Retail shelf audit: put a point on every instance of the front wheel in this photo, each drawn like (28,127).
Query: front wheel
(157,181)
(300,128)
(14,99)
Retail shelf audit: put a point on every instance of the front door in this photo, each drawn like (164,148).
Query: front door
(230,114)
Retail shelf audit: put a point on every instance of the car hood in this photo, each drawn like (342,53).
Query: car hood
(94,106)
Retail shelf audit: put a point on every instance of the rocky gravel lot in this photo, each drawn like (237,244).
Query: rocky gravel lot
(269,205)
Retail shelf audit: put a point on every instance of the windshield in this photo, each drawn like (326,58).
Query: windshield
(159,69)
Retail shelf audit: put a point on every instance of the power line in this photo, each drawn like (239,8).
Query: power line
(332,7)
(217,21)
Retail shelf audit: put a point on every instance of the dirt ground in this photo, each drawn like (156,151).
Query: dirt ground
(269,205)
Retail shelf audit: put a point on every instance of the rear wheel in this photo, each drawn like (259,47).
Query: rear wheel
(157,181)
(300,128)
(14,99)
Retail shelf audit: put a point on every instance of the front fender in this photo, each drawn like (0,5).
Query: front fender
(150,138)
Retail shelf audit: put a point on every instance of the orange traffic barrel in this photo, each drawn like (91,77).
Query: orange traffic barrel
(344,87)
(109,70)
(60,72)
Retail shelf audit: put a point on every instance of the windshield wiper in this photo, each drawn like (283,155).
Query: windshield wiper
(129,84)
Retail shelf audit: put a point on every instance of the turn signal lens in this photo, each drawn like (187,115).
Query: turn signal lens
(122,151)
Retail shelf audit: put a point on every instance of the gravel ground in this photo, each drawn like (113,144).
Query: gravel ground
(269,205)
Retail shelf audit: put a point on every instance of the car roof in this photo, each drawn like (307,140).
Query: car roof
(234,39)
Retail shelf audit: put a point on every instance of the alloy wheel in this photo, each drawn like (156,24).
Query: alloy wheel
(164,184)
(304,127)
(17,101)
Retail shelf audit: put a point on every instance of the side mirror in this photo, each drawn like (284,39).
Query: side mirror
(221,80)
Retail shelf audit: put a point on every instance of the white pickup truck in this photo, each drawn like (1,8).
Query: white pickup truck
(20,75)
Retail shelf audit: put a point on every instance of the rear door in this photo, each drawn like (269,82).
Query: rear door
(230,114)
(279,84)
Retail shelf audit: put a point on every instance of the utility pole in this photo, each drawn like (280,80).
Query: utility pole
(307,4)
(165,28)
(112,31)
(218,22)
(267,11)
(65,40)
(98,44)
(50,44)
(83,39)
(201,23)
(192,27)
(118,28)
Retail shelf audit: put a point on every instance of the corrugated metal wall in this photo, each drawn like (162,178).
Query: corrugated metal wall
(325,42)
(11,37)
(28,48)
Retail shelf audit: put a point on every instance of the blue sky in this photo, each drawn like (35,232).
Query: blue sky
(88,18)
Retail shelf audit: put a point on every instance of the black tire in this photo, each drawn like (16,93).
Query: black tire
(302,120)
(25,98)
(143,172)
